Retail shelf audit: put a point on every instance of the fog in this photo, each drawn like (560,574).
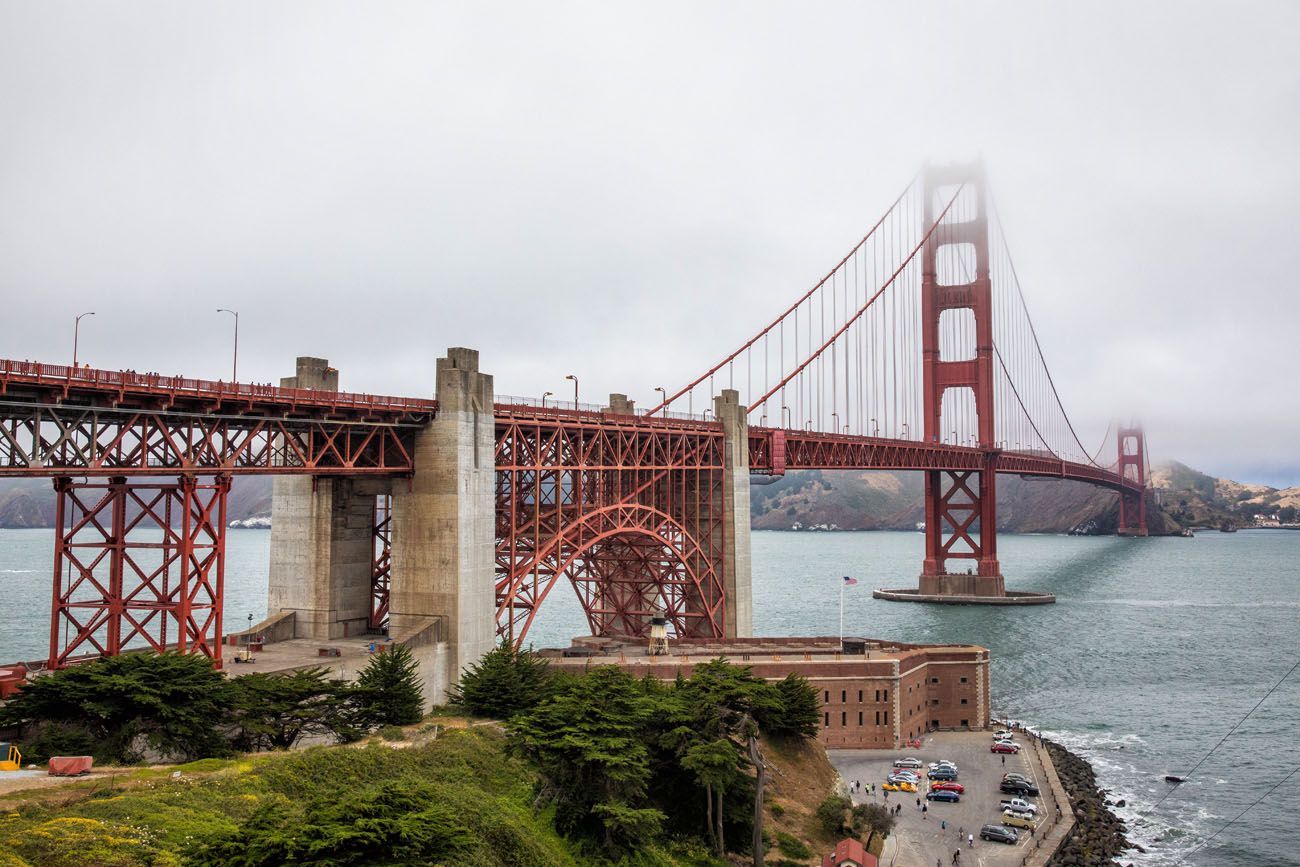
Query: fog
(625,192)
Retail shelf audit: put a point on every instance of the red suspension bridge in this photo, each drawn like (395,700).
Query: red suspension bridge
(915,352)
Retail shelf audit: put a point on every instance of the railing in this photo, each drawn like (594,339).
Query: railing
(52,374)
(562,404)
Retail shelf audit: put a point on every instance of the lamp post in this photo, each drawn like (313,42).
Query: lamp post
(545,395)
(76,333)
(904,430)
(786,417)
(835,421)
(575,389)
(234,363)
(663,398)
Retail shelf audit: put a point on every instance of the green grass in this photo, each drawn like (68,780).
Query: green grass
(148,818)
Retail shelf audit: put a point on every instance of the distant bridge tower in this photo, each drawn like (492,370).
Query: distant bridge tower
(1132,465)
(960,506)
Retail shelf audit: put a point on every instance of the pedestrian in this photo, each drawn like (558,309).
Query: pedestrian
(938,862)
(970,841)
(961,832)
(925,810)
(1004,758)
(886,794)
(943,824)
(956,855)
(918,803)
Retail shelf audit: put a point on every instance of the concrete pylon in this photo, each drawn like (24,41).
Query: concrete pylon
(444,526)
(738,578)
(322,547)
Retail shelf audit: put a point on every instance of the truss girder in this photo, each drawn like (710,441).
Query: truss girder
(630,514)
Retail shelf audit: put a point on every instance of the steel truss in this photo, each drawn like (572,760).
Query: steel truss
(630,514)
(382,563)
(138,564)
(47,440)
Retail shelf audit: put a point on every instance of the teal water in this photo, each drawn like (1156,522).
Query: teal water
(1154,650)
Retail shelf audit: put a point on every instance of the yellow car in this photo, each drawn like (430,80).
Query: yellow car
(899,787)
(1017,820)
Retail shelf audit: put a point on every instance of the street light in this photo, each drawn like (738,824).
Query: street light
(545,395)
(575,389)
(76,332)
(663,398)
(234,364)
(875,428)
(904,430)
(787,420)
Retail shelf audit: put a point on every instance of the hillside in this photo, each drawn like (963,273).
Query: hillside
(849,500)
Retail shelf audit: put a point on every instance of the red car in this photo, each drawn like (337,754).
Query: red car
(943,786)
(1004,748)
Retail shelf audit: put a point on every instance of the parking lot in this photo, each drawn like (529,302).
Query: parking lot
(924,839)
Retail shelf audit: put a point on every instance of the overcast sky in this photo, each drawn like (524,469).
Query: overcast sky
(626,191)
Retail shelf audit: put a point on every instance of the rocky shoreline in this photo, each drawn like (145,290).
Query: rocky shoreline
(1097,837)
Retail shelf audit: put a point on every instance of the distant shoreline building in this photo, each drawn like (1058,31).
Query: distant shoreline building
(875,694)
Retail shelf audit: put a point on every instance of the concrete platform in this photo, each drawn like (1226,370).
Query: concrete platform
(1012,597)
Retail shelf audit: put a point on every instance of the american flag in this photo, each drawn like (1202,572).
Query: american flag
(849,582)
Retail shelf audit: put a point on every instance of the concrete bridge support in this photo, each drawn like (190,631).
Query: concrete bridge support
(444,525)
(322,539)
(738,577)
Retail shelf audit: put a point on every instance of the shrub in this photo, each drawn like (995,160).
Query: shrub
(832,814)
(275,711)
(392,733)
(791,846)
(501,684)
(875,818)
(388,690)
(171,702)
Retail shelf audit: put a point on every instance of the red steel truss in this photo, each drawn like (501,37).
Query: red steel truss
(138,564)
(382,564)
(629,513)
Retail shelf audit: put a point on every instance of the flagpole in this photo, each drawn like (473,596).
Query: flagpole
(842,583)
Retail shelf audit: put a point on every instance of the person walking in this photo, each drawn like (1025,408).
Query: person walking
(925,811)
(943,824)
(918,803)
(956,855)
(970,841)
(1004,758)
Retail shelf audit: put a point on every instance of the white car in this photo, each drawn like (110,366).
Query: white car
(1000,734)
(1019,805)
(908,763)
(934,766)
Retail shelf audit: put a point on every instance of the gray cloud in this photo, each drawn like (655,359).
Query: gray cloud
(626,192)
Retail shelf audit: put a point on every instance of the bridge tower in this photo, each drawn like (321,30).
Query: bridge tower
(960,506)
(1132,465)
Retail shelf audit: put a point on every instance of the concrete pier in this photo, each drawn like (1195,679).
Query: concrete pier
(322,547)
(444,519)
(735,513)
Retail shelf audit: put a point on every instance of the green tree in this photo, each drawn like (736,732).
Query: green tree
(169,702)
(388,690)
(588,741)
(275,711)
(834,814)
(501,684)
(873,818)
(798,711)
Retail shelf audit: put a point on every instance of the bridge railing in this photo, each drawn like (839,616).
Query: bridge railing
(66,375)
(562,404)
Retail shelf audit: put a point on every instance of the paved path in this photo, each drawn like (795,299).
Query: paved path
(924,839)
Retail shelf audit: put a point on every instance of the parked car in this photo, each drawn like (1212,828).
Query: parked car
(1016,787)
(900,786)
(944,763)
(1020,805)
(899,778)
(999,834)
(943,795)
(943,774)
(1019,777)
(1001,734)
(908,763)
(1004,747)
(1018,820)
(947,786)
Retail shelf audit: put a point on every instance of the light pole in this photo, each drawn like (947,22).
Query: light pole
(663,398)
(835,421)
(76,333)
(575,389)
(545,395)
(234,364)
(787,417)
(904,430)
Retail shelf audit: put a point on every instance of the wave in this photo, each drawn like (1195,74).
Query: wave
(17,571)
(1178,603)
(1169,836)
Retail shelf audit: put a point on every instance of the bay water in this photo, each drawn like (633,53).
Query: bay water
(1153,652)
